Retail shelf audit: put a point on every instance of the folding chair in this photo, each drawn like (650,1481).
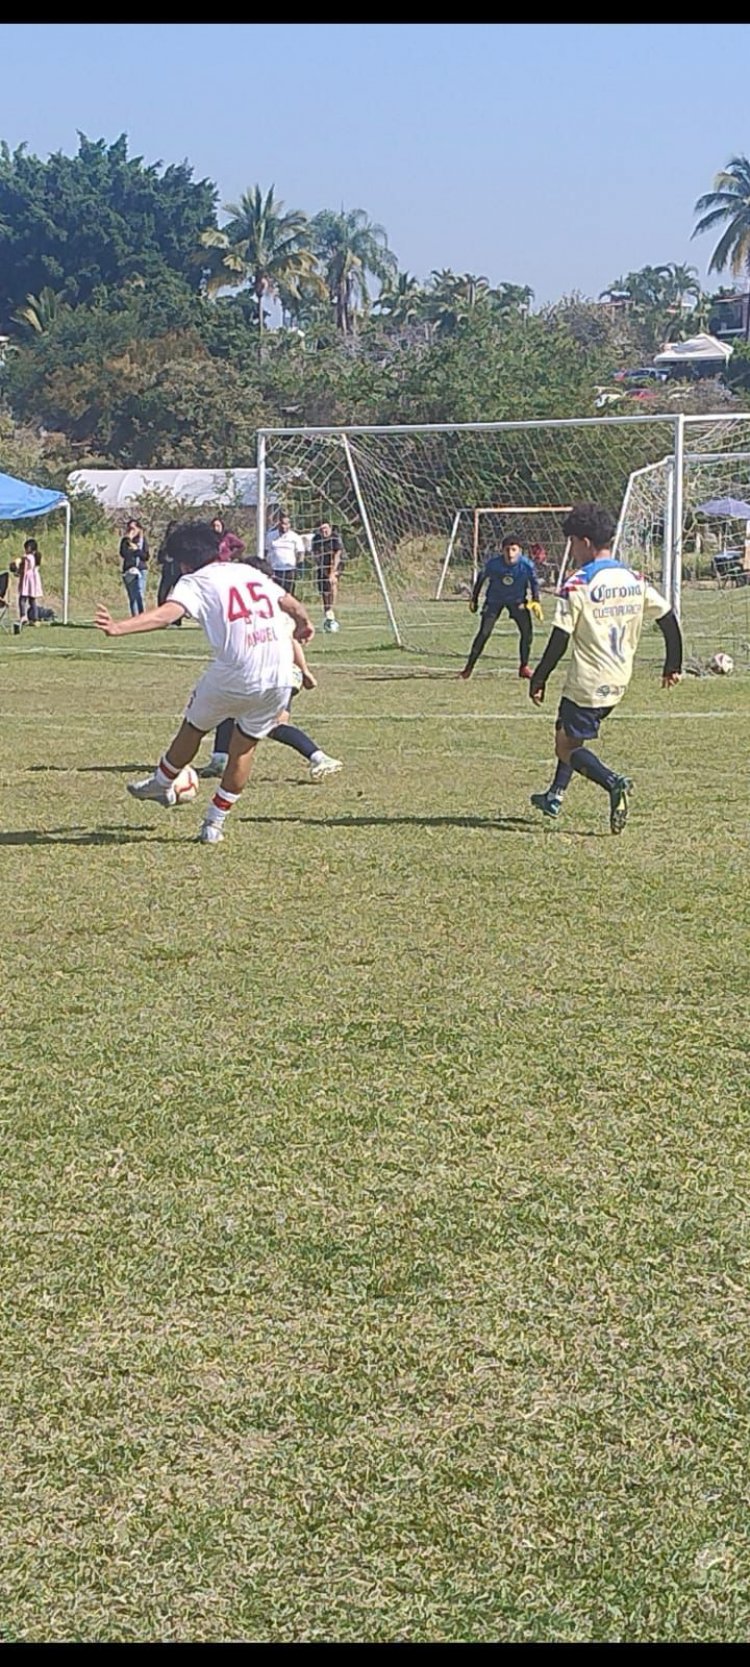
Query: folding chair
(4,601)
(729,569)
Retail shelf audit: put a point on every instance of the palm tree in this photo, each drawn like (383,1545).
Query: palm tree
(262,245)
(40,311)
(453,297)
(512,298)
(729,205)
(401,299)
(351,248)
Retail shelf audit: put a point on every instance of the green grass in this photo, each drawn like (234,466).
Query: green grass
(375,1236)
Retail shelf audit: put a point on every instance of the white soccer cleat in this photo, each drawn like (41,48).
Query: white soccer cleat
(211,833)
(150,788)
(324,766)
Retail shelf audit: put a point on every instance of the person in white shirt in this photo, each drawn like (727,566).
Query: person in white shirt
(285,550)
(250,678)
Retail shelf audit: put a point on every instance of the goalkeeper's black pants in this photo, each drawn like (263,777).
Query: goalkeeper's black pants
(521,618)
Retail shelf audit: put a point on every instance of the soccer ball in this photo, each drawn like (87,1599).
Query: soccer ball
(185,786)
(296,679)
(722,664)
(331,625)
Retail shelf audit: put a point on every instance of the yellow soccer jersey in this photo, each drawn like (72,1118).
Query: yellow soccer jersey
(602,607)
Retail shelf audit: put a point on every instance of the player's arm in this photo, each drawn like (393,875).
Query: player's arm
(553,653)
(477,591)
(669,626)
(154,619)
(303,625)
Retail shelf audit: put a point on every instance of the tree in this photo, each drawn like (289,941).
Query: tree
(351,249)
(263,245)
(40,311)
(729,205)
(512,298)
(75,224)
(401,299)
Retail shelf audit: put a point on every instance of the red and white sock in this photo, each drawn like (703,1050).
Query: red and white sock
(165,773)
(220,806)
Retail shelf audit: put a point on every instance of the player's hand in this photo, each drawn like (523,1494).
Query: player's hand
(104,622)
(535,608)
(537,695)
(305,632)
(671,679)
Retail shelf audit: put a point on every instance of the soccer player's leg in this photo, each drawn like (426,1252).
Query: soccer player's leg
(488,621)
(180,752)
(206,706)
(575,726)
(217,762)
(257,719)
(521,618)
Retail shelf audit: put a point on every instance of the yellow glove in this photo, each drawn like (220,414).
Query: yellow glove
(535,608)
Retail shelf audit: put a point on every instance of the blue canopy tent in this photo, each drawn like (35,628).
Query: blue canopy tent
(21,502)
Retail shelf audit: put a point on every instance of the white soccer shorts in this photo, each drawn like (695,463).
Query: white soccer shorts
(213,699)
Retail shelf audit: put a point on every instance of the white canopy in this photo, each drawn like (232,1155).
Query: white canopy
(120,488)
(699,350)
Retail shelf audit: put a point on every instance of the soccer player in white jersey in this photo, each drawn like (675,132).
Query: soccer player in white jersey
(600,613)
(250,678)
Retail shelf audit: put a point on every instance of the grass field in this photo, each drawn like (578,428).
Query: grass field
(375,1231)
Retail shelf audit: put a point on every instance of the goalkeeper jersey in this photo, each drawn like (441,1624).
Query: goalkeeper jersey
(602,608)
(508,582)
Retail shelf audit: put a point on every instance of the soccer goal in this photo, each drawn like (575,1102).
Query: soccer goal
(398,494)
(676,523)
(477,533)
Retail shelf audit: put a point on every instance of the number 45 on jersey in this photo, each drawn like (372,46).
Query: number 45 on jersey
(260,602)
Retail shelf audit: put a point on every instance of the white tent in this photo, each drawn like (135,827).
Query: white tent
(119,489)
(699,350)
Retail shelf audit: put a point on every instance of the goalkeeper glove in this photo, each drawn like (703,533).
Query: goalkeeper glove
(535,608)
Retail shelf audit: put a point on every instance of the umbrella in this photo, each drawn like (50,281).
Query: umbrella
(732,509)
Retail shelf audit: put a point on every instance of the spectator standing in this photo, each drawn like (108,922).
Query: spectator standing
(327,552)
(29,583)
(231,548)
(285,550)
(134,554)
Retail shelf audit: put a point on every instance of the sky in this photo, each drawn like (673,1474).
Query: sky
(559,156)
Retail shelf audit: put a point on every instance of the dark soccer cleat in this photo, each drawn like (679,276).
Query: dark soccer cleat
(618,803)
(550,804)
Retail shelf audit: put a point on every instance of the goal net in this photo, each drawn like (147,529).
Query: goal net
(710,582)
(477,534)
(397,495)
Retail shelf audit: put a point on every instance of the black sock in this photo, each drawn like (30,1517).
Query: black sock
(561,778)
(587,764)
(290,736)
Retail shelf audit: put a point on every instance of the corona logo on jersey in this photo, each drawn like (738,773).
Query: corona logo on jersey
(602,607)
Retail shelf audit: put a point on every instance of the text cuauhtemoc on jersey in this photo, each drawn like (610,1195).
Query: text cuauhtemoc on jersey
(238,608)
(602,607)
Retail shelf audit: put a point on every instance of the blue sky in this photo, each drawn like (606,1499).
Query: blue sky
(556,156)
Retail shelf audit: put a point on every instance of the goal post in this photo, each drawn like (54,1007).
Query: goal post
(536,525)
(415,504)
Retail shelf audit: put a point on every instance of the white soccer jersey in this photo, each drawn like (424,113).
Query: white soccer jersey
(238,608)
(284,550)
(602,607)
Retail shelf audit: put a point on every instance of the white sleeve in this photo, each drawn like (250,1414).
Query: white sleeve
(563,620)
(656,604)
(187,594)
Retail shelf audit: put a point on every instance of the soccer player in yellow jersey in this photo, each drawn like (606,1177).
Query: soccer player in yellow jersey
(600,612)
